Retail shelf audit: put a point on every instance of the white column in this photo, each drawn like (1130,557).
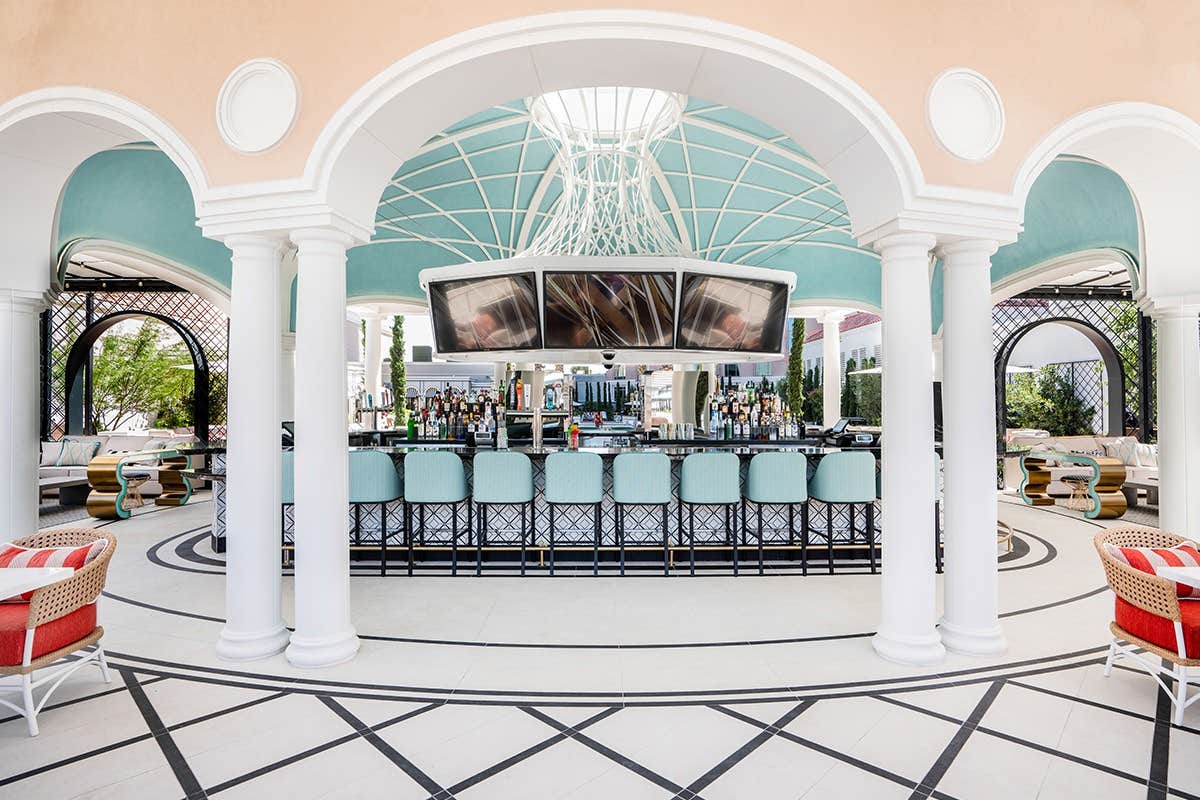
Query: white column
(831,373)
(1179,421)
(253,619)
(324,635)
(19,449)
(372,357)
(970,622)
(287,376)
(907,632)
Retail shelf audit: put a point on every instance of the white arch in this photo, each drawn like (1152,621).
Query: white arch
(1156,151)
(44,136)
(392,115)
(151,264)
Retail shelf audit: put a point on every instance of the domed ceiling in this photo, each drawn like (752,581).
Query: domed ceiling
(730,188)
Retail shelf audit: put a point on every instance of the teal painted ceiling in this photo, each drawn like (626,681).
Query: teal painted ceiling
(731,188)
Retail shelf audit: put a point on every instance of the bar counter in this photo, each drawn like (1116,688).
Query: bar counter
(364,521)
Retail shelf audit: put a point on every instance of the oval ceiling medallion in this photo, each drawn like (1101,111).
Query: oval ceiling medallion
(965,114)
(257,105)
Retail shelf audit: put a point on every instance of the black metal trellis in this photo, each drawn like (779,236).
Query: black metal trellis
(79,307)
(1129,334)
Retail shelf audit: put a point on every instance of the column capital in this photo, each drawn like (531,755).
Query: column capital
(271,241)
(25,301)
(833,316)
(1183,311)
(322,238)
(906,244)
(960,250)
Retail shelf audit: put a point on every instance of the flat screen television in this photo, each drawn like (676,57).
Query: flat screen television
(493,312)
(735,314)
(609,310)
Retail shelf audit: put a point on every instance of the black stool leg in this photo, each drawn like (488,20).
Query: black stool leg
(691,539)
(383,537)
(596,533)
(937,536)
(551,505)
(731,536)
(829,533)
(408,535)
(621,535)
(666,543)
(804,538)
(523,539)
(481,519)
(454,538)
(760,537)
(357,524)
(871,535)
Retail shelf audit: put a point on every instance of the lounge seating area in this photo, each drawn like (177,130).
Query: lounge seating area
(70,456)
(1098,475)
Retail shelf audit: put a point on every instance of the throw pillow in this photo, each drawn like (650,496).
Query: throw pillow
(76,453)
(12,555)
(50,453)
(1147,455)
(1149,559)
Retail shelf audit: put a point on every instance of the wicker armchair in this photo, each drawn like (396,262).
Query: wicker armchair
(56,602)
(1154,600)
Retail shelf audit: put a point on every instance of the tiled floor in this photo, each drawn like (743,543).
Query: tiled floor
(712,687)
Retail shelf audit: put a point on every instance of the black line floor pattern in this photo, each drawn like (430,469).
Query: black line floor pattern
(1057,730)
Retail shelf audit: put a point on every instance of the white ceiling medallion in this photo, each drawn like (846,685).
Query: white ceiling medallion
(257,105)
(965,114)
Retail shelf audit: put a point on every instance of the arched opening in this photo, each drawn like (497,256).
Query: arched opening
(1070,370)
(77,401)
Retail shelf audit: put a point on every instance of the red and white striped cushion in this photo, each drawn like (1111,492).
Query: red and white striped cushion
(12,555)
(1149,559)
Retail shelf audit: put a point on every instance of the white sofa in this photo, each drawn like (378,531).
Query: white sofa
(1141,460)
(116,442)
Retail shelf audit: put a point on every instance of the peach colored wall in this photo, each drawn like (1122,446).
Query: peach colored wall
(1049,60)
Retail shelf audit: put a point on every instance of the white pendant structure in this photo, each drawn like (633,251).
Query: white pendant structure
(606,138)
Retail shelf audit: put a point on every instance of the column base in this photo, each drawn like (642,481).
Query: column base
(251,645)
(973,641)
(918,651)
(326,651)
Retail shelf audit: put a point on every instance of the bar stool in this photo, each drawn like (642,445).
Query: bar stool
(778,479)
(846,478)
(502,479)
(288,498)
(434,478)
(709,479)
(641,479)
(373,479)
(575,479)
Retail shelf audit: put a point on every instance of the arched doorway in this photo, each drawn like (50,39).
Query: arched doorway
(75,395)
(1114,399)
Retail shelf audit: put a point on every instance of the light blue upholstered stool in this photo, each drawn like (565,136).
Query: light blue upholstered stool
(846,478)
(288,498)
(373,479)
(575,479)
(434,478)
(641,479)
(502,479)
(778,479)
(710,479)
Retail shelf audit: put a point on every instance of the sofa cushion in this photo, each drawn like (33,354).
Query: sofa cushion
(126,443)
(15,556)
(1124,448)
(1160,630)
(1147,455)
(77,452)
(1149,559)
(47,637)
(50,453)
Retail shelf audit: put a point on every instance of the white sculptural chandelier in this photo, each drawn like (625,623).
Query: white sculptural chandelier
(606,139)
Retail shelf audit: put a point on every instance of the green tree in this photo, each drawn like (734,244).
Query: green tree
(398,378)
(142,372)
(795,368)
(849,396)
(701,398)
(1047,401)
